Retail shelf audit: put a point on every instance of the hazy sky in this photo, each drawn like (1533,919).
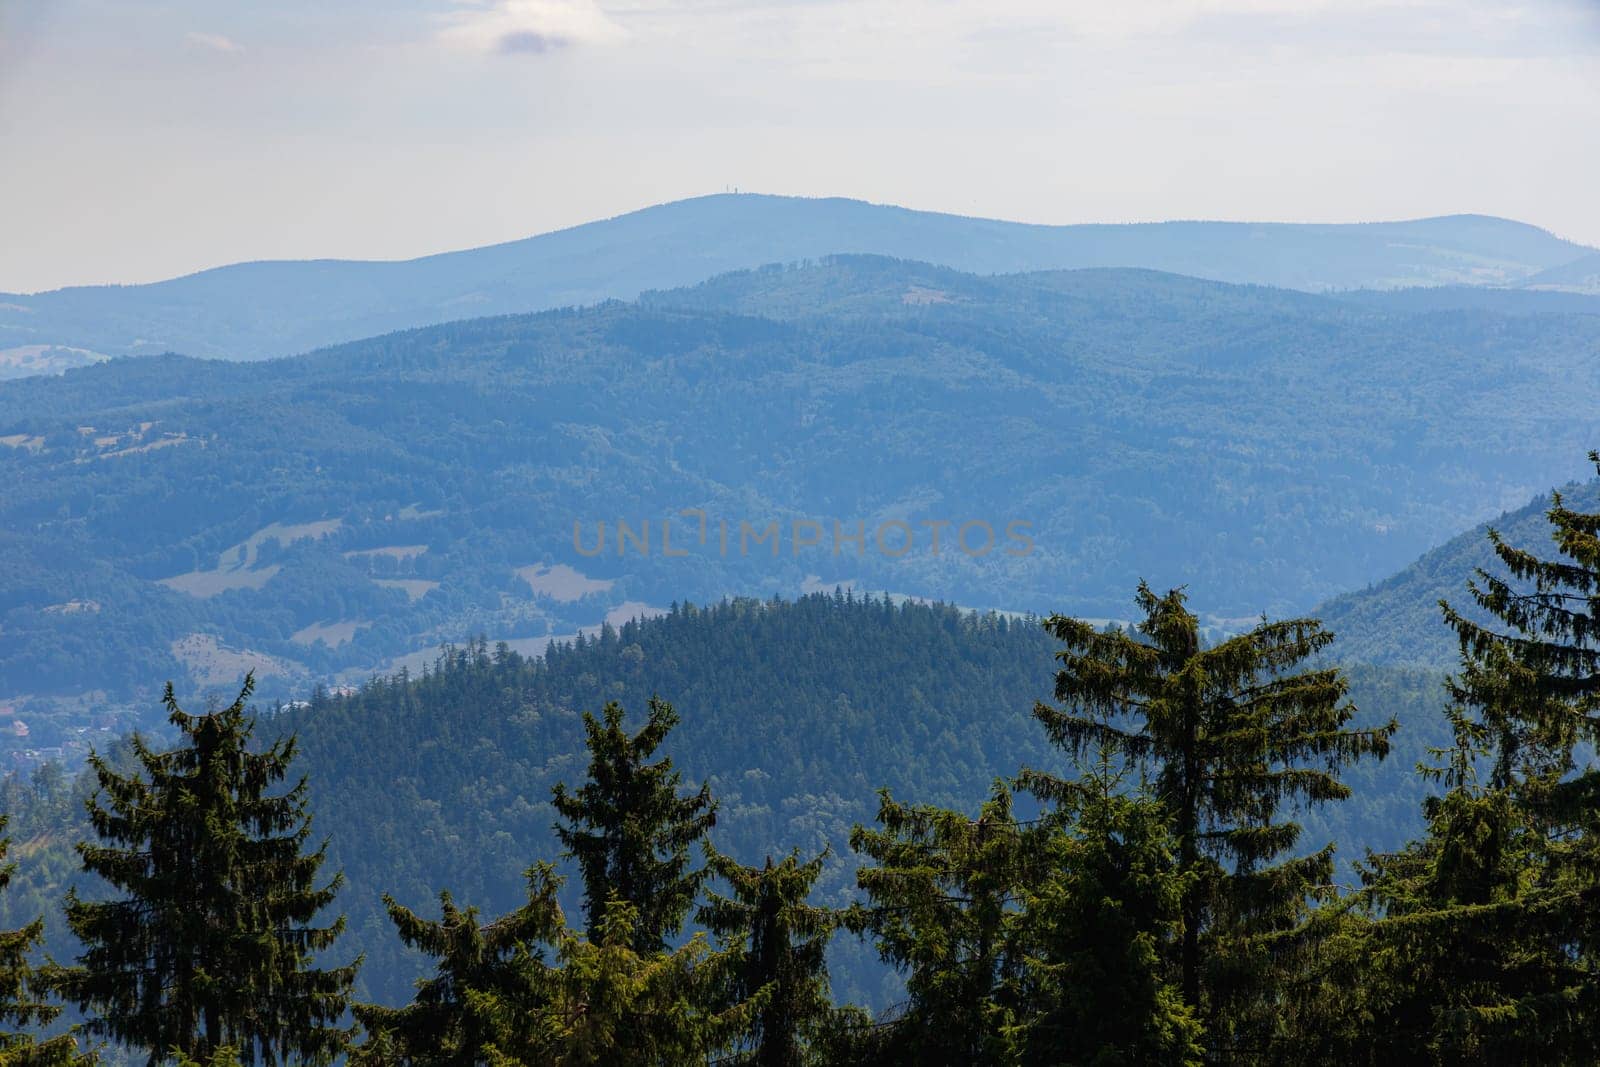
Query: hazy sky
(144,139)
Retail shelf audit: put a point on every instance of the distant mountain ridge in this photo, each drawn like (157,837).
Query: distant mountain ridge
(264,309)
(1577,276)
(328,513)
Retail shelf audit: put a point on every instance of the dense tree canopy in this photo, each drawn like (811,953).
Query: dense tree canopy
(1232,734)
(210,944)
(1122,413)
(631,832)
(1151,902)
(1482,946)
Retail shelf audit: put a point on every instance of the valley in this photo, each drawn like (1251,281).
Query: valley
(589,533)
(348,511)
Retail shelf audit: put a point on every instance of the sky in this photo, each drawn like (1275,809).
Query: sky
(142,139)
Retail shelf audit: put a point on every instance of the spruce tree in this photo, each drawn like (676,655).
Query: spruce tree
(524,991)
(610,1003)
(1097,926)
(941,897)
(779,945)
(630,830)
(1529,680)
(209,943)
(1231,734)
(482,967)
(22,1001)
(1465,959)
(1485,929)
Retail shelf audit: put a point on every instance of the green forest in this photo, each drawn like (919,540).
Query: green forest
(1132,857)
(388,495)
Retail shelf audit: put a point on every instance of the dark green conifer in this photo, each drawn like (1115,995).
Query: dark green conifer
(779,944)
(22,1000)
(630,830)
(207,942)
(1486,943)
(524,991)
(611,1004)
(1230,735)
(1098,925)
(452,1021)
(941,897)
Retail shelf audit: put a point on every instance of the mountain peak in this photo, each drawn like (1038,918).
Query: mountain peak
(270,308)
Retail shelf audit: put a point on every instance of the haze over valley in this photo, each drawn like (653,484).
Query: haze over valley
(320,517)
(656,533)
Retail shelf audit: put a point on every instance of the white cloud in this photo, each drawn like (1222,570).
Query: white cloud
(216,42)
(528,26)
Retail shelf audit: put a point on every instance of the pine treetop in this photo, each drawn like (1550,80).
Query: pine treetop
(630,829)
(209,943)
(1229,728)
(778,942)
(450,1023)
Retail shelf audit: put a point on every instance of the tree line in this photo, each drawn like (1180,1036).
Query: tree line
(1158,907)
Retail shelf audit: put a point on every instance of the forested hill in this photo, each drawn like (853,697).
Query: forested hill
(255,310)
(1479,298)
(321,515)
(1398,621)
(796,712)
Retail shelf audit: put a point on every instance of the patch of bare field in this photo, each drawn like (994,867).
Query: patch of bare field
(205,584)
(332,634)
(921,294)
(561,582)
(244,553)
(395,552)
(26,360)
(209,663)
(74,607)
(165,442)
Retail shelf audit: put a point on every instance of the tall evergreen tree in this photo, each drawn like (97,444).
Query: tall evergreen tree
(1530,676)
(941,897)
(606,1003)
(450,1022)
(22,1002)
(779,943)
(1231,734)
(630,830)
(1467,959)
(1486,930)
(1097,926)
(209,944)
(1526,695)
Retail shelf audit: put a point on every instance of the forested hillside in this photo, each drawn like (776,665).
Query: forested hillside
(795,713)
(320,515)
(257,310)
(1396,621)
